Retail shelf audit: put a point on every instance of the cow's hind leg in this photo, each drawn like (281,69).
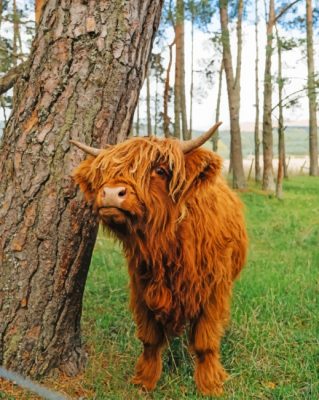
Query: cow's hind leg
(205,339)
(149,365)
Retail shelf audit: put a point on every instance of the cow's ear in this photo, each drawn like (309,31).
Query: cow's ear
(83,176)
(202,166)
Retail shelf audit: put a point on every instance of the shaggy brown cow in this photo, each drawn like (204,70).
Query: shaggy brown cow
(184,237)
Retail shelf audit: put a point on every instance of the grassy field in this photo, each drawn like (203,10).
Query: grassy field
(271,349)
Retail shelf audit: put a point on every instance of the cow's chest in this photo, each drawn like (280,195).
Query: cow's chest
(173,297)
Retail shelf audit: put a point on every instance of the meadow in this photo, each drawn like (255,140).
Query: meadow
(271,347)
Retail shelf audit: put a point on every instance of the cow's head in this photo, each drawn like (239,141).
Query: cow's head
(146,181)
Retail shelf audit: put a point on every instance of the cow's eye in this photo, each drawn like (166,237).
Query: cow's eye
(160,171)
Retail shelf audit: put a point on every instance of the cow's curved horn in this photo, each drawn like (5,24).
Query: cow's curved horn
(90,150)
(189,145)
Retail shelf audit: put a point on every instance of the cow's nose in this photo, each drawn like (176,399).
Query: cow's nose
(113,196)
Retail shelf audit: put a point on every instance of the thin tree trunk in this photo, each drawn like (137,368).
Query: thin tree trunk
(148,104)
(156,105)
(192,79)
(138,118)
(82,84)
(313,127)
(39,4)
(15,35)
(233,90)
(268,174)
(183,110)
(257,137)
(166,119)
(281,129)
(179,35)
(215,137)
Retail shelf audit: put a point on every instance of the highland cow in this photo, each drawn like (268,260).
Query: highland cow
(184,238)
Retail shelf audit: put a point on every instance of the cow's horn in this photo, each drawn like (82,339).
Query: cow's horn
(90,150)
(189,145)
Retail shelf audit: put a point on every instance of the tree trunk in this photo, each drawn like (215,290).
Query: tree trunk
(156,105)
(257,138)
(138,118)
(166,119)
(180,47)
(87,65)
(191,92)
(148,103)
(179,34)
(215,137)
(281,128)
(268,174)
(313,128)
(39,4)
(233,90)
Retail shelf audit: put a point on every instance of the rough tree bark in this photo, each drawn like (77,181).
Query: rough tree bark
(313,127)
(233,90)
(86,68)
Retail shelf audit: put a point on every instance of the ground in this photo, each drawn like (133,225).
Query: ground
(271,346)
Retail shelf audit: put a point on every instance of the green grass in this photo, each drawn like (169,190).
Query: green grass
(271,348)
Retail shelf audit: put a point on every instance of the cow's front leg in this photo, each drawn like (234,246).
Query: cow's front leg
(149,365)
(205,339)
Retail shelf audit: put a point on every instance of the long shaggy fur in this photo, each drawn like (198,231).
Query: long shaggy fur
(185,241)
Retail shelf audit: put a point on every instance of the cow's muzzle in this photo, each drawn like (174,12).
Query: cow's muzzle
(113,196)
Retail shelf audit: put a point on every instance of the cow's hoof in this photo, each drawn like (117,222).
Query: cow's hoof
(210,377)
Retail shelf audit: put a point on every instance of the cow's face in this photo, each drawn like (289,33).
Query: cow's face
(144,181)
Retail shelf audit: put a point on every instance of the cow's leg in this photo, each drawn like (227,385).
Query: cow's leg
(149,365)
(151,333)
(206,334)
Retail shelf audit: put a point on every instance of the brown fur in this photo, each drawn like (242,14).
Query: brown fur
(185,241)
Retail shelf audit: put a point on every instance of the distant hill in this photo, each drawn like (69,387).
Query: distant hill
(296,140)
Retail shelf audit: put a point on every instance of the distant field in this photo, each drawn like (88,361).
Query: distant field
(296,139)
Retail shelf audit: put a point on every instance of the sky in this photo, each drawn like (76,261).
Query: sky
(294,67)
(205,103)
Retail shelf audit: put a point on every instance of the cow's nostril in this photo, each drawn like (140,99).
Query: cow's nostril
(122,193)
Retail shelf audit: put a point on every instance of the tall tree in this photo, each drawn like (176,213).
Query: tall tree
(281,128)
(179,85)
(166,118)
(199,12)
(148,103)
(82,82)
(215,137)
(313,127)
(256,133)
(233,90)
(268,173)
